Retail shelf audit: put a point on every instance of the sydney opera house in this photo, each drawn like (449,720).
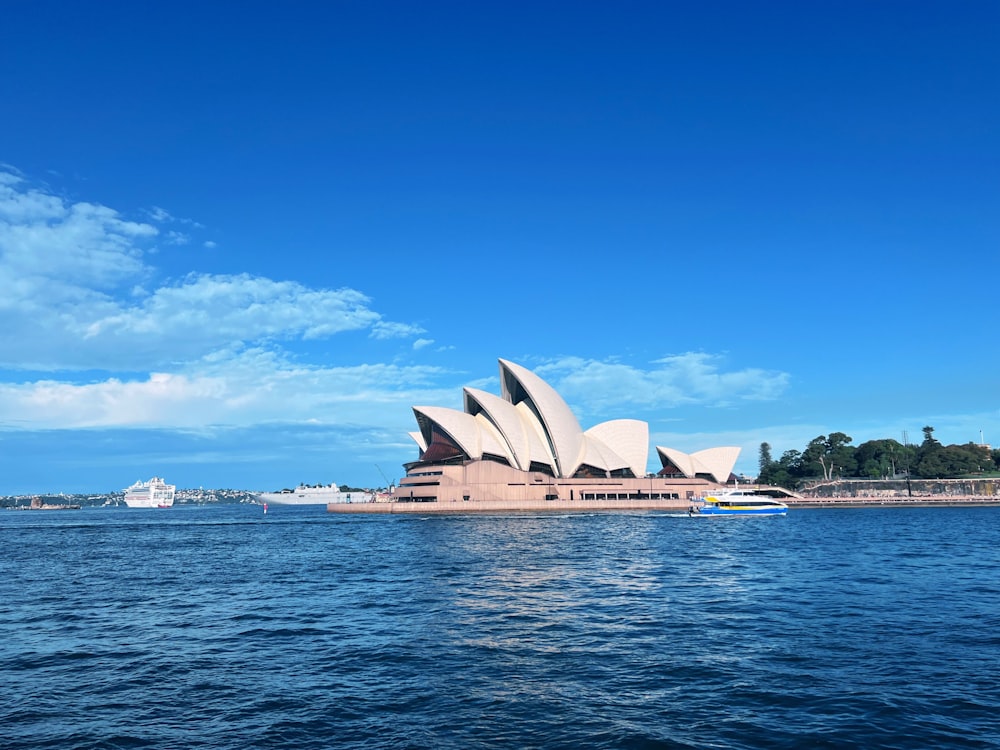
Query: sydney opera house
(526,449)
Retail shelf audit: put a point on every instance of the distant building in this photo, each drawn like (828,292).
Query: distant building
(526,444)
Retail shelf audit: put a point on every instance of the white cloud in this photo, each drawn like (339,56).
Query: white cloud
(230,389)
(51,246)
(80,294)
(421,343)
(217,309)
(160,215)
(386,330)
(178,238)
(26,205)
(162,399)
(686,379)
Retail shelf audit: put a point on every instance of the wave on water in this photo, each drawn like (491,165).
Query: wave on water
(224,628)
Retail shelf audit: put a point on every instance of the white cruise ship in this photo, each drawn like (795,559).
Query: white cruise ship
(152,494)
(318,495)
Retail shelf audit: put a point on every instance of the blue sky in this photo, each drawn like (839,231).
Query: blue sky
(238,241)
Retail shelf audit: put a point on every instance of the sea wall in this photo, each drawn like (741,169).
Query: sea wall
(900,488)
(904,501)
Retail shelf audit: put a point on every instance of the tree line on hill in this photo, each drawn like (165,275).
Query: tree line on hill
(832,456)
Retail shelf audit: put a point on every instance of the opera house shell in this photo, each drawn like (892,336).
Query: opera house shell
(526,448)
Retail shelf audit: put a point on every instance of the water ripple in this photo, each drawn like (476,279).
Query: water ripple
(222,628)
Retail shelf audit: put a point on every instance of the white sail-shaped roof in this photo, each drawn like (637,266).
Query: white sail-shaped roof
(560,425)
(716,462)
(538,445)
(600,456)
(418,438)
(490,439)
(630,440)
(459,426)
(680,459)
(508,421)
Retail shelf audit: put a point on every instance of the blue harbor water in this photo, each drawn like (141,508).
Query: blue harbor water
(222,627)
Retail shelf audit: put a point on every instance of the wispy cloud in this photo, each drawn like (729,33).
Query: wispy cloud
(159,214)
(227,389)
(678,380)
(80,293)
(51,251)
(178,238)
(211,310)
(382,329)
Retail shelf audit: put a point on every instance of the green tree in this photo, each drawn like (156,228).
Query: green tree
(930,442)
(791,464)
(813,460)
(931,465)
(780,477)
(830,456)
(764,464)
(842,455)
(971,458)
(879,459)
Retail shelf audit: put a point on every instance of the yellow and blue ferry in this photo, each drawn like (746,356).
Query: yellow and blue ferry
(740,503)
